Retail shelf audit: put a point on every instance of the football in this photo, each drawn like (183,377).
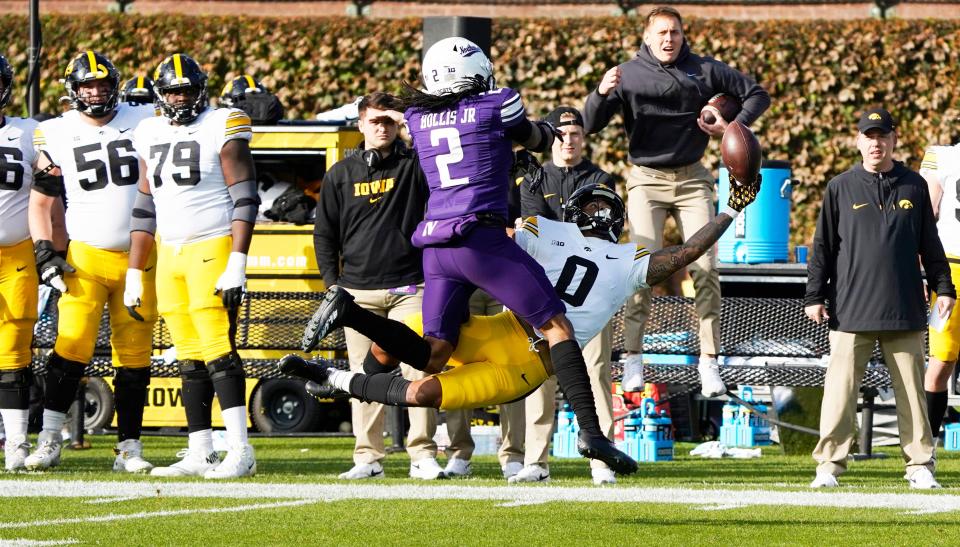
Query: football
(741,153)
(726,105)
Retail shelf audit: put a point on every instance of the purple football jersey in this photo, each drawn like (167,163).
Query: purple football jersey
(465,153)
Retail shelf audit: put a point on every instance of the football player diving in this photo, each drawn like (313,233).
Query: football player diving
(18,276)
(87,155)
(197,192)
(464,128)
(500,358)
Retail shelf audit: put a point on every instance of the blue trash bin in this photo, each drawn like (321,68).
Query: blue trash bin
(761,233)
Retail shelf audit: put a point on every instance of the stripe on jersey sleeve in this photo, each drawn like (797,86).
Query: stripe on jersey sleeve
(641,252)
(530,225)
(929,160)
(39,139)
(512,109)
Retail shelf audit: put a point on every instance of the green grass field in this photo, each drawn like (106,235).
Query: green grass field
(296,499)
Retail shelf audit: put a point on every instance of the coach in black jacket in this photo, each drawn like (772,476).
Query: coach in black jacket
(864,279)
(370,204)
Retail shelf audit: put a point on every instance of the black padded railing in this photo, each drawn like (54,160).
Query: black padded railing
(751,327)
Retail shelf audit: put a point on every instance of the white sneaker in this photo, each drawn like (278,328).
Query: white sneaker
(511,469)
(711,384)
(240,462)
(193,463)
(130,457)
(426,469)
(531,473)
(922,479)
(458,468)
(16,451)
(603,476)
(824,480)
(364,471)
(47,454)
(632,373)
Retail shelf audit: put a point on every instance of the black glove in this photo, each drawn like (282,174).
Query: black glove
(557,134)
(742,195)
(232,298)
(526,165)
(51,265)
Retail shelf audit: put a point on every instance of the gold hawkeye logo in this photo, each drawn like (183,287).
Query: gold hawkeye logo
(874,116)
(859,205)
(905,204)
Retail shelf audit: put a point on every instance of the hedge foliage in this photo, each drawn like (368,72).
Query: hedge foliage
(820,74)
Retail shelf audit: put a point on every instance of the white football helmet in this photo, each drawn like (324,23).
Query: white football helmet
(450,64)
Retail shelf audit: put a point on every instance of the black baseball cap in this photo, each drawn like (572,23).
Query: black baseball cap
(565,115)
(876,118)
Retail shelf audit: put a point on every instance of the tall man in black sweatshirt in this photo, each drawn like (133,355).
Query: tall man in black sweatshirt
(864,280)
(370,204)
(660,93)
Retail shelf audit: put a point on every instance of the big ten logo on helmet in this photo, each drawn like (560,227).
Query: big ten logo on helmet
(374,187)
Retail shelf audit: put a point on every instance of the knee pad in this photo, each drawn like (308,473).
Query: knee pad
(63,378)
(132,378)
(193,370)
(226,367)
(373,366)
(15,388)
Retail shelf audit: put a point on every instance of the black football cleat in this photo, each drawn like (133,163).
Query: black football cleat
(598,447)
(321,391)
(294,365)
(327,318)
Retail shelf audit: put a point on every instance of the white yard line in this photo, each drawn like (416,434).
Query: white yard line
(36,543)
(910,502)
(153,514)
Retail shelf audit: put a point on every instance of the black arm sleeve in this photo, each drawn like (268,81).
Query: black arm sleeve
(534,136)
(326,234)
(48,185)
(931,252)
(823,254)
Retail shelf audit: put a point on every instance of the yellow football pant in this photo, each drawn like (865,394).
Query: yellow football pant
(493,363)
(99,279)
(186,275)
(18,304)
(945,345)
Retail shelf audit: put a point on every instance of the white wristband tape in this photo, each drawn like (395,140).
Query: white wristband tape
(730,212)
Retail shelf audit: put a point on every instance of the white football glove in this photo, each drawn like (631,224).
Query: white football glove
(133,292)
(231,286)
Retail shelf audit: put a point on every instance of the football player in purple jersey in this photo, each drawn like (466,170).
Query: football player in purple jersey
(464,129)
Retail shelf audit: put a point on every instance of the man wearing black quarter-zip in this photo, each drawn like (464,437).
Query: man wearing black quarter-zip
(864,280)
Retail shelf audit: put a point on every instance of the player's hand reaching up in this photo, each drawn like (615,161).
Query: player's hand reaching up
(231,286)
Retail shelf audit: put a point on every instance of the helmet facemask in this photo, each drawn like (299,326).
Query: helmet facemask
(607,218)
(188,111)
(91,67)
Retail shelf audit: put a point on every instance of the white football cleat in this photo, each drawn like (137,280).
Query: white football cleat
(922,479)
(193,463)
(240,462)
(47,454)
(16,451)
(603,476)
(130,457)
(457,467)
(363,471)
(531,473)
(632,373)
(511,469)
(711,384)
(426,469)
(824,480)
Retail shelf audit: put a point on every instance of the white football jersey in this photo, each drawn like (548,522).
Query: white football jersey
(100,170)
(186,178)
(592,276)
(944,162)
(16,178)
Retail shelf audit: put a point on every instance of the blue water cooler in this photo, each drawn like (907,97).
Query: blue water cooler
(761,232)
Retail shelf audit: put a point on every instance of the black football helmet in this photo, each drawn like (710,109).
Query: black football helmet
(609,221)
(179,72)
(138,90)
(6,78)
(237,88)
(89,66)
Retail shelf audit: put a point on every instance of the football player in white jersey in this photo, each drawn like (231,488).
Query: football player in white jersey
(498,359)
(18,276)
(198,193)
(87,155)
(941,169)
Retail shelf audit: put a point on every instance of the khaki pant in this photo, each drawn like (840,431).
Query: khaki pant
(687,194)
(849,353)
(368,418)
(527,428)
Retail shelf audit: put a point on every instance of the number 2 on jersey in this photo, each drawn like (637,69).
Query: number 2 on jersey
(454,155)
(186,156)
